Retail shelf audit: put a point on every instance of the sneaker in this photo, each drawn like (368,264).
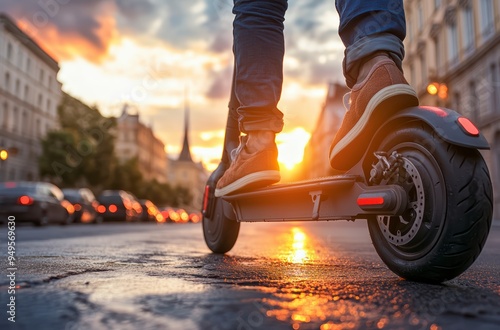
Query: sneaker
(249,170)
(384,92)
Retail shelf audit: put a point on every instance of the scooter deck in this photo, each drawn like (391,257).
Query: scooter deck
(327,198)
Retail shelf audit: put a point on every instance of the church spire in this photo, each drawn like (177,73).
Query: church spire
(185,154)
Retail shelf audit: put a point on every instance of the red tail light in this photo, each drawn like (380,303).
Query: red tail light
(205,198)
(112,208)
(77,207)
(101,209)
(468,126)
(368,201)
(25,200)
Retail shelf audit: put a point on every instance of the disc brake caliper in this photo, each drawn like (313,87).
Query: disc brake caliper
(386,166)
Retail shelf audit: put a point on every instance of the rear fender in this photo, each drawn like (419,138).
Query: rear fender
(449,125)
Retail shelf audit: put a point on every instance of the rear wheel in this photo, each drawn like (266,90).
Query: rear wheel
(449,209)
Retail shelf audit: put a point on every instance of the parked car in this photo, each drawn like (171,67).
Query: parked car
(150,212)
(118,205)
(37,202)
(85,205)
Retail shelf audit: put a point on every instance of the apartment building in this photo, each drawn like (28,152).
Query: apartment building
(453,60)
(29,96)
(134,139)
(316,161)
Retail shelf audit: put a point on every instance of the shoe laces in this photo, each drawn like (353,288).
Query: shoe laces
(347,101)
(235,152)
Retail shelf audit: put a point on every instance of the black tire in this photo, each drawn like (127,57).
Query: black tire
(455,201)
(221,229)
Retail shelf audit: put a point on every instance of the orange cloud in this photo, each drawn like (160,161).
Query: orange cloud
(66,45)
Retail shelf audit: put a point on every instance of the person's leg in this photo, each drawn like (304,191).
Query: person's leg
(373,33)
(258,50)
(369,27)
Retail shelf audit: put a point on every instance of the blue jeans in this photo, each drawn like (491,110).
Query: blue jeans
(366,27)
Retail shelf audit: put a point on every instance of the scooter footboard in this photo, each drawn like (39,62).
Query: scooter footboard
(331,198)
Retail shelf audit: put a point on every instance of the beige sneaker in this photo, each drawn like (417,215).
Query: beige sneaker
(249,170)
(384,92)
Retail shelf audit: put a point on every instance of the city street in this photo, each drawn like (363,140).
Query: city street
(278,276)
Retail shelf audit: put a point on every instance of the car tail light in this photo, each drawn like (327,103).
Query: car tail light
(112,208)
(101,209)
(77,207)
(25,200)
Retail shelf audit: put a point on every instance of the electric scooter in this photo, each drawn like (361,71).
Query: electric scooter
(421,184)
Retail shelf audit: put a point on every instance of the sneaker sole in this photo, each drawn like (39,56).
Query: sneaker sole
(403,96)
(253,180)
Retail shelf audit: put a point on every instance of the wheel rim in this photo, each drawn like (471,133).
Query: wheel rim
(413,234)
(400,230)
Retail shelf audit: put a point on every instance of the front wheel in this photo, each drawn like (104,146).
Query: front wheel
(449,212)
(220,227)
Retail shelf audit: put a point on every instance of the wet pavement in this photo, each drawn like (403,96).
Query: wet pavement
(278,276)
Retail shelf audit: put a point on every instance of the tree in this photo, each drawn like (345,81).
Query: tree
(60,160)
(82,150)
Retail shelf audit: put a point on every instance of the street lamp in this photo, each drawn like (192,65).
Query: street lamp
(439,89)
(4,154)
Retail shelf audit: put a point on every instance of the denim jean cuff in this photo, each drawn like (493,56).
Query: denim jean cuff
(275,125)
(366,46)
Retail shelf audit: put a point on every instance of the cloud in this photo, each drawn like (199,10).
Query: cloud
(66,27)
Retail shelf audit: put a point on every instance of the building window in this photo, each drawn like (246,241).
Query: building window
(26,93)
(5,115)
(49,107)
(14,119)
(28,65)
(38,128)
(487,18)
(452,43)
(456,99)
(7,81)
(468,29)
(420,16)
(412,76)
(9,51)
(40,99)
(25,129)
(423,69)
(494,88)
(473,102)
(18,88)
(42,75)
(437,56)
(409,27)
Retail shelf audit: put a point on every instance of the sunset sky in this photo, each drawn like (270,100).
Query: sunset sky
(148,52)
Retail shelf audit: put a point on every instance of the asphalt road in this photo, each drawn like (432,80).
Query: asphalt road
(278,276)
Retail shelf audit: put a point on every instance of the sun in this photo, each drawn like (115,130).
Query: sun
(291,147)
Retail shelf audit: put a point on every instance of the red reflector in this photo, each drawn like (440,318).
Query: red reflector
(468,126)
(205,198)
(25,200)
(367,201)
(438,111)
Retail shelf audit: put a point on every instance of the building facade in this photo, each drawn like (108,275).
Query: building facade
(316,161)
(455,46)
(29,96)
(134,139)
